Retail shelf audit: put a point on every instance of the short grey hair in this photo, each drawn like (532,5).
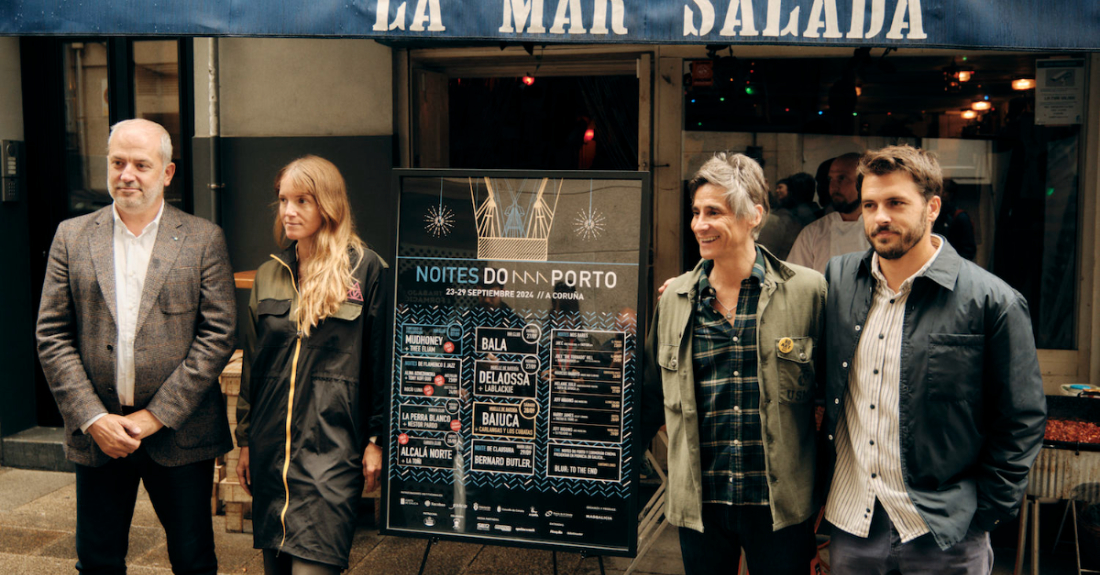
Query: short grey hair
(165,139)
(742,179)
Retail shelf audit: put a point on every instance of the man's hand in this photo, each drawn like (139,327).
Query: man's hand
(115,435)
(145,423)
(664,286)
(372,465)
(244,473)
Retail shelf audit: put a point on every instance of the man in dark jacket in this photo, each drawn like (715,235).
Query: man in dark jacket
(934,399)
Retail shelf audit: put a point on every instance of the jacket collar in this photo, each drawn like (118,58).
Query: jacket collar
(289,256)
(775,272)
(944,270)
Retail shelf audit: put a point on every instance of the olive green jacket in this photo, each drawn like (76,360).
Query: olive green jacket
(790,321)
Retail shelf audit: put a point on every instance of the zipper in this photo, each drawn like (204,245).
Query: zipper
(289,405)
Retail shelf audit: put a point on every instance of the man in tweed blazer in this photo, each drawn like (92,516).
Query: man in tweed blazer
(136,322)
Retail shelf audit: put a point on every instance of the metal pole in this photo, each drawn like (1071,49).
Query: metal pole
(212,70)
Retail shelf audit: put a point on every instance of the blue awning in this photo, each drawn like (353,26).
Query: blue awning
(986,24)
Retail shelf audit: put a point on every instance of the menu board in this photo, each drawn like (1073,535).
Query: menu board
(516,353)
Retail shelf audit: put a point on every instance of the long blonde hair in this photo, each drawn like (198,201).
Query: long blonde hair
(327,274)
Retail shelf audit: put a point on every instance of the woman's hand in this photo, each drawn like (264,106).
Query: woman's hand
(244,475)
(372,465)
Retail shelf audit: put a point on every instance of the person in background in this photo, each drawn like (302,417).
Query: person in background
(793,209)
(799,197)
(954,223)
(839,232)
(779,232)
(934,405)
(730,371)
(136,323)
(313,385)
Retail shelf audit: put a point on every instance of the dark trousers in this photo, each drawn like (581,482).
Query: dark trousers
(105,498)
(882,552)
(729,528)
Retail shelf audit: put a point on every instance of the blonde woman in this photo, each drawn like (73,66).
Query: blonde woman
(312,388)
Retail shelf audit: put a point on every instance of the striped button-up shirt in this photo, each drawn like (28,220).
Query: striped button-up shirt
(724,362)
(868,449)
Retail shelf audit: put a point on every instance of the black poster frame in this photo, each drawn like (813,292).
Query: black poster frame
(640,299)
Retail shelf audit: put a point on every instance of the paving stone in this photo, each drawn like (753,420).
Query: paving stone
(234,549)
(402,555)
(147,547)
(254,566)
(35,565)
(62,548)
(54,511)
(25,540)
(21,486)
(144,514)
(364,542)
(497,560)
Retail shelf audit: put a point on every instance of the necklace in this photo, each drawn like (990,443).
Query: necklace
(729,311)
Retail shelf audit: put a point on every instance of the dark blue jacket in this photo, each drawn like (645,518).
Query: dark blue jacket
(972,409)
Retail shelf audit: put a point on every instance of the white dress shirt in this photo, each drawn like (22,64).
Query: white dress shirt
(132,254)
(827,237)
(868,449)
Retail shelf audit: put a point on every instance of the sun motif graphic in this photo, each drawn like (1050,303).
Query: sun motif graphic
(439,220)
(588,224)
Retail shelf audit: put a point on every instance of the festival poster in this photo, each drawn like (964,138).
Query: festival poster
(517,354)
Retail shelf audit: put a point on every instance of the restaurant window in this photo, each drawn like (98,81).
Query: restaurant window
(95,99)
(1011,167)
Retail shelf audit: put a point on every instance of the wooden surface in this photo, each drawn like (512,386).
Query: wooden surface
(244,280)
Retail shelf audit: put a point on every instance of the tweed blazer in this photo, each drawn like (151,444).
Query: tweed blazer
(185,334)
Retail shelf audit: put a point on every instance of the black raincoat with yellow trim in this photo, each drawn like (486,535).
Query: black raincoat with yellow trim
(307,408)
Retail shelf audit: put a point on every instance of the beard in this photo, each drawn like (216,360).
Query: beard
(844,207)
(149,196)
(902,243)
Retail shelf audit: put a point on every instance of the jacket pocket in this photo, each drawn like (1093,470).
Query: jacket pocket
(667,358)
(348,312)
(273,307)
(955,366)
(794,358)
(179,294)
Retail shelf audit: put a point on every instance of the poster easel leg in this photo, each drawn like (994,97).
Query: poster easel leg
(585,555)
(427,548)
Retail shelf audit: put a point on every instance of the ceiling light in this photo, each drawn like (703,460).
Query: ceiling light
(981,106)
(969,114)
(1023,83)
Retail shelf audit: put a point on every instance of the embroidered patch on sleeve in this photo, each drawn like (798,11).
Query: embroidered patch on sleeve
(355,293)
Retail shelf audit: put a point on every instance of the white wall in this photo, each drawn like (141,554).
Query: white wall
(11,91)
(297,87)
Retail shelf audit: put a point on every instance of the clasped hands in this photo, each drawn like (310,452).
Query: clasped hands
(119,435)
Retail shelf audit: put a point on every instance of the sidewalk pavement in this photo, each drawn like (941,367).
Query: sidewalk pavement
(38,524)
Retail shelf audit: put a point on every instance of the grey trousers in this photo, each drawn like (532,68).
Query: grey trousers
(883,551)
